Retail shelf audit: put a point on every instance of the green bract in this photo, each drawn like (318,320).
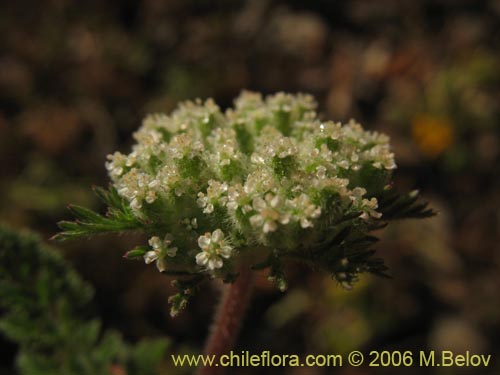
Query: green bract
(264,180)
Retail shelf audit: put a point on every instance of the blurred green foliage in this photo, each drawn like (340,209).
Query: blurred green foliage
(46,314)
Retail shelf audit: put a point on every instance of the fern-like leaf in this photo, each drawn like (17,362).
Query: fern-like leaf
(119,218)
(394,205)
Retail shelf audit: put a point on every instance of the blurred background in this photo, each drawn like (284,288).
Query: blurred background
(77,77)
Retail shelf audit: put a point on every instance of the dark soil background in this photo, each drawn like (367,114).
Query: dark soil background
(77,77)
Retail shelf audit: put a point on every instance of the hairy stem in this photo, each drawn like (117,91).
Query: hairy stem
(228,318)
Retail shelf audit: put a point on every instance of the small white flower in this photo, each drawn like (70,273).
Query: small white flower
(304,210)
(233,197)
(321,172)
(215,195)
(214,249)
(203,202)
(273,143)
(161,249)
(267,214)
(369,208)
(115,165)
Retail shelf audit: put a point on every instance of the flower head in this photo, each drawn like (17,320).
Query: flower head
(265,179)
(268,167)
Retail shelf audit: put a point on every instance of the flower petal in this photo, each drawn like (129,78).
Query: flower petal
(215,263)
(171,251)
(150,256)
(161,264)
(217,236)
(155,242)
(202,258)
(225,251)
(204,241)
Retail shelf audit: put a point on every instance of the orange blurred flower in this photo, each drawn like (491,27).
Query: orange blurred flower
(433,135)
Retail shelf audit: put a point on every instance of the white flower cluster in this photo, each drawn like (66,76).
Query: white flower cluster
(265,173)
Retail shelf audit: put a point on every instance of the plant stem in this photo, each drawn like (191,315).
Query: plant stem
(230,313)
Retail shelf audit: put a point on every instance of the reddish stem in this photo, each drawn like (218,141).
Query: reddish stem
(230,313)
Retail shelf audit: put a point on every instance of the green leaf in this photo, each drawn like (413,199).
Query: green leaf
(393,205)
(119,218)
